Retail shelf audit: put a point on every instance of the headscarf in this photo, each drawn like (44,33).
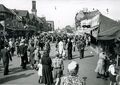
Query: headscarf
(73,68)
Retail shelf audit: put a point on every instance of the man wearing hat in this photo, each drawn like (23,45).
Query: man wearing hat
(58,68)
(23,51)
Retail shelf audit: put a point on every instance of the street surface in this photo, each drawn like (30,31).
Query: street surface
(17,76)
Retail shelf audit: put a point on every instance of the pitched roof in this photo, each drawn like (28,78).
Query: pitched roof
(22,13)
(5,13)
(17,17)
(4,9)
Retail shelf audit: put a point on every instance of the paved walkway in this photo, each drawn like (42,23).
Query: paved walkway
(29,77)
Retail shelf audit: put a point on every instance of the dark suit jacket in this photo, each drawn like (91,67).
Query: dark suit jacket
(70,46)
(5,54)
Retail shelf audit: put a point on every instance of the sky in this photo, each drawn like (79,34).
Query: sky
(63,12)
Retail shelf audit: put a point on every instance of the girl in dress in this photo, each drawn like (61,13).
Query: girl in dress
(100,65)
(40,72)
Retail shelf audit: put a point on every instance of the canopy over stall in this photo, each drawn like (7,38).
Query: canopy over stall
(110,34)
(108,28)
(101,27)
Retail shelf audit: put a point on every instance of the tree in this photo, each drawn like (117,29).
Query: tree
(68,29)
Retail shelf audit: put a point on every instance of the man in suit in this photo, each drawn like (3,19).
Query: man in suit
(69,48)
(23,54)
(5,53)
(81,46)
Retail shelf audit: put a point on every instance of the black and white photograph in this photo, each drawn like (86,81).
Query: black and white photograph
(59,42)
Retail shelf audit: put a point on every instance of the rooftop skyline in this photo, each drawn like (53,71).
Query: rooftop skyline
(63,12)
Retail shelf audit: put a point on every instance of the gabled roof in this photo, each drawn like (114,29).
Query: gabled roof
(22,13)
(17,17)
(4,9)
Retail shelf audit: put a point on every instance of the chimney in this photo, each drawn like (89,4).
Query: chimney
(34,10)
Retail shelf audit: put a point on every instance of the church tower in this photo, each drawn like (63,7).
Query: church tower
(34,10)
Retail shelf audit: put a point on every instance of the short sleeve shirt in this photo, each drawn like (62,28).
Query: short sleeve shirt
(57,62)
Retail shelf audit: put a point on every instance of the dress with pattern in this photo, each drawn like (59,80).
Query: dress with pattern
(72,80)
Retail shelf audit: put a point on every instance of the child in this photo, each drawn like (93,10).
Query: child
(37,56)
(40,72)
(58,68)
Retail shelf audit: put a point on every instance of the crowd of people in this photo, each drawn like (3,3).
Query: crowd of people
(35,51)
(107,66)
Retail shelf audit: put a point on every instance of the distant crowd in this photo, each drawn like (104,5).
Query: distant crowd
(35,51)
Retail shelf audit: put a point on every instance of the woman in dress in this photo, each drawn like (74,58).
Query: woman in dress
(47,69)
(100,65)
